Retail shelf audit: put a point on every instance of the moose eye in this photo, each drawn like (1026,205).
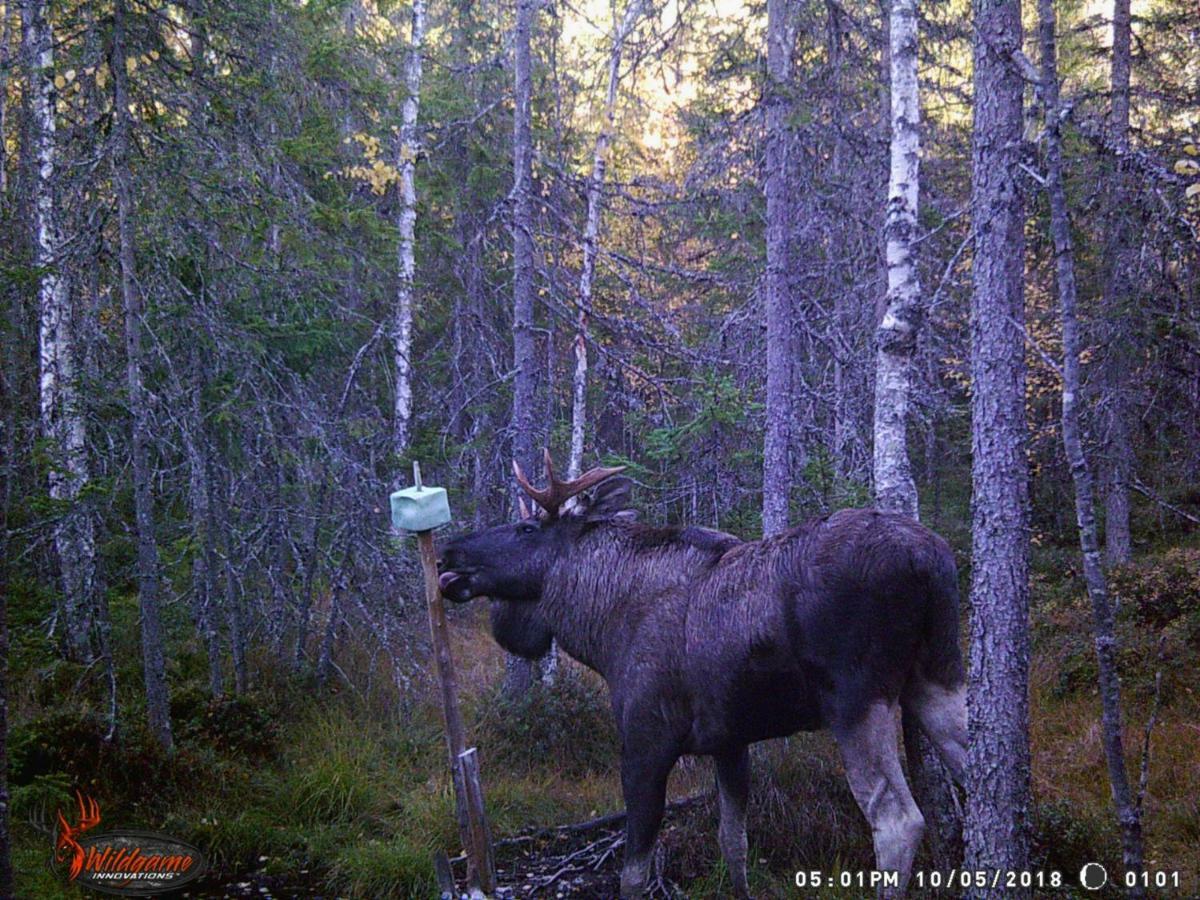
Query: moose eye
(527,528)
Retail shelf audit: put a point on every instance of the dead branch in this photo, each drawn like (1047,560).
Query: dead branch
(1151,495)
(610,820)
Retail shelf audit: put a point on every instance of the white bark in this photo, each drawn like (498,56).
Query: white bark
(410,145)
(896,336)
(591,238)
(896,343)
(61,413)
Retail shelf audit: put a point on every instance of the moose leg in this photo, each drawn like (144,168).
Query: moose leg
(733,788)
(942,713)
(873,769)
(644,784)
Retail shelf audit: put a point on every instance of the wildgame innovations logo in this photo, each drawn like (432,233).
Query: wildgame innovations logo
(123,862)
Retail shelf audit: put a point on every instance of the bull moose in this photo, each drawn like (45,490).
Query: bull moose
(709,643)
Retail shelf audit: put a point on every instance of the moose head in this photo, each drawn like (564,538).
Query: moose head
(510,562)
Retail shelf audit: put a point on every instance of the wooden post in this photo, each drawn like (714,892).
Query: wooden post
(468,793)
(480,846)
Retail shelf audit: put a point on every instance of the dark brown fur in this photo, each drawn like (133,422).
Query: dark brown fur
(708,643)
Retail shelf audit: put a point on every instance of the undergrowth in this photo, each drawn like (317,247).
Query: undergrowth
(325,791)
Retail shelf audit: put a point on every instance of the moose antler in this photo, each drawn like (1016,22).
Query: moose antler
(556,493)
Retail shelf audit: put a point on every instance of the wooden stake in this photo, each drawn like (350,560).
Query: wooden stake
(468,792)
(480,837)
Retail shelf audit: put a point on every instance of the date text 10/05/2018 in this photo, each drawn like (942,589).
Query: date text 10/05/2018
(955,878)
(968,878)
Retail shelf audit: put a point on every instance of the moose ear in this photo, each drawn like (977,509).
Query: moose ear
(610,500)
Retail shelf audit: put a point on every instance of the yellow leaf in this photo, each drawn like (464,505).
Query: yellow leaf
(1187,167)
(131,65)
(1191,150)
(60,82)
(1192,190)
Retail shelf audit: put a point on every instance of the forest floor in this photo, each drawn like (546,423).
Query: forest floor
(297,791)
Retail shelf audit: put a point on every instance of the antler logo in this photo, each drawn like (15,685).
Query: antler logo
(122,861)
(67,843)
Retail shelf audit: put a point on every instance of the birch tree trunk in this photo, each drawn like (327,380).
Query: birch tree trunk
(591,237)
(1103,612)
(518,672)
(61,410)
(777,472)
(896,335)
(158,709)
(998,778)
(896,342)
(410,146)
(1118,543)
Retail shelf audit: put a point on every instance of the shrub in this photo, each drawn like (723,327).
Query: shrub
(37,801)
(238,725)
(130,772)
(1065,837)
(1158,626)
(1161,591)
(67,743)
(569,722)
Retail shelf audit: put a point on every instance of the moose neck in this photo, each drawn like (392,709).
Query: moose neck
(592,597)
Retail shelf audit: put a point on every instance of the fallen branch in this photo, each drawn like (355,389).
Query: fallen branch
(607,821)
(565,864)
